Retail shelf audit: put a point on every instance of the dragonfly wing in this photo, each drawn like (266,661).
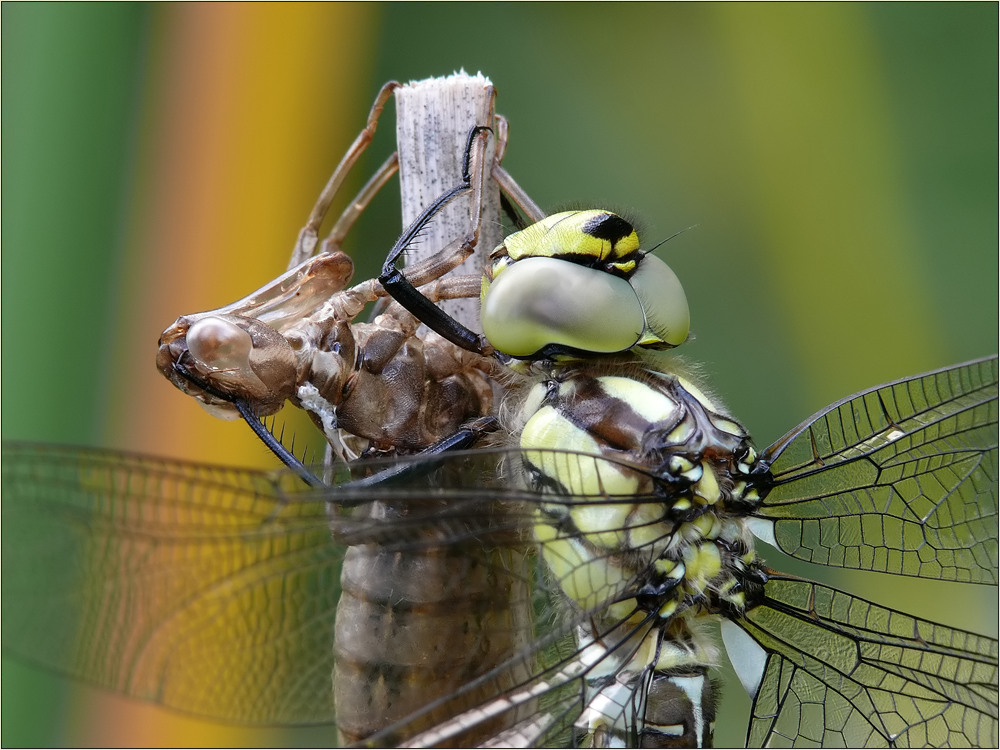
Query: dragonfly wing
(830,669)
(191,586)
(216,591)
(901,478)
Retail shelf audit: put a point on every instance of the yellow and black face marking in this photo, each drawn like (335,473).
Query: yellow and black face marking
(577,284)
(596,238)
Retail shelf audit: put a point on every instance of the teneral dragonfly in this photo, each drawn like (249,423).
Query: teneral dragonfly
(574,299)
(151,516)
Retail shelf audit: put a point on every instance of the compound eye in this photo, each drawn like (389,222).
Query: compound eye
(662,298)
(220,345)
(540,301)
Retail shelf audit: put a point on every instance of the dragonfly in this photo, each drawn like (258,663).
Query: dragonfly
(248,538)
(575,299)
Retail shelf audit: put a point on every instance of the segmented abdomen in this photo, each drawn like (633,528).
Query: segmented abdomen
(416,622)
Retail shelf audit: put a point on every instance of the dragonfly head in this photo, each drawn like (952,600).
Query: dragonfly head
(577,284)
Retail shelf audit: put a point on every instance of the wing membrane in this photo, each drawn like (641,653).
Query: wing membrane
(171,582)
(214,591)
(843,671)
(901,479)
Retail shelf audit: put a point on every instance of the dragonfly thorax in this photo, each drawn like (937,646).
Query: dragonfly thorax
(656,511)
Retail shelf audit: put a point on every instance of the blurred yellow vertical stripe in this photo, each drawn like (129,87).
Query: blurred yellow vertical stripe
(242,120)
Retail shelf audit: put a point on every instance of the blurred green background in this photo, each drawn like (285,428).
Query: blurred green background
(839,163)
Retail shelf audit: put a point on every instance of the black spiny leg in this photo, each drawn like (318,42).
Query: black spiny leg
(407,295)
(465,437)
(249,415)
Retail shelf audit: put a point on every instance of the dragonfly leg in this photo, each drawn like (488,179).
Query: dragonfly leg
(465,437)
(402,288)
(251,417)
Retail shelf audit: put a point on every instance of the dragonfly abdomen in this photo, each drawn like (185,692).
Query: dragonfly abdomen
(416,623)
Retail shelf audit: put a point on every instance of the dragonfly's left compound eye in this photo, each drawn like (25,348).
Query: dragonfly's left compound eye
(661,295)
(538,302)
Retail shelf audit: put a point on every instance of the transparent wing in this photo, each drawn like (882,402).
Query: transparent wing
(831,669)
(216,592)
(219,593)
(901,478)
(187,585)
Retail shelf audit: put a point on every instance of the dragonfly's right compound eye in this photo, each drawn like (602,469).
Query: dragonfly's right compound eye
(237,358)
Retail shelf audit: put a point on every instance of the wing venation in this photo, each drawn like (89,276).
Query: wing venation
(845,672)
(900,479)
